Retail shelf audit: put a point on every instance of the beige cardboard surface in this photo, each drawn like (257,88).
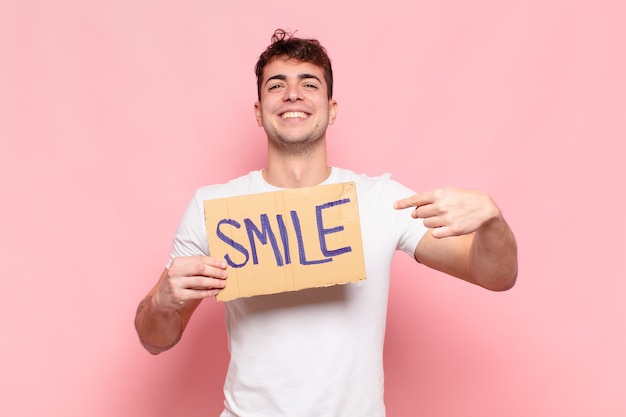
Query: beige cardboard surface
(287,240)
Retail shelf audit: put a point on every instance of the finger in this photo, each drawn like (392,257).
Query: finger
(427,211)
(200,294)
(204,283)
(197,289)
(443,232)
(198,266)
(438,232)
(416,200)
(434,222)
(214,262)
(205,270)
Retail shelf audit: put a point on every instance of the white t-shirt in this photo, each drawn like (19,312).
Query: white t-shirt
(314,352)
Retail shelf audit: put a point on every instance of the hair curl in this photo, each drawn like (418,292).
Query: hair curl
(285,44)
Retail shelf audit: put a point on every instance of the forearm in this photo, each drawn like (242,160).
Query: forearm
(158,331)
(493,256)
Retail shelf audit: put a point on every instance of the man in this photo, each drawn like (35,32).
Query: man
(318,352)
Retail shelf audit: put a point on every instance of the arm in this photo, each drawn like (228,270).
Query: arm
(468,237)
(164,313)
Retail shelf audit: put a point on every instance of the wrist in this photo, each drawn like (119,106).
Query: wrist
(157,307)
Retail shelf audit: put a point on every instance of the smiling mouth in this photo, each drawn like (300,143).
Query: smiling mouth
(294,115)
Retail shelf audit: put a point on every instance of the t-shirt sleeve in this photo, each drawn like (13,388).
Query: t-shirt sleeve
(410,230)
(190,238)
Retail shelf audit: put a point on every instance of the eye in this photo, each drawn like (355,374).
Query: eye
(274,87)
(311,86)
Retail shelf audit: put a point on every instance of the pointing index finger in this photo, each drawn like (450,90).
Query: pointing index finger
(416,200)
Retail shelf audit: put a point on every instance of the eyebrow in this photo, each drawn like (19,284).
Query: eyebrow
(301,77)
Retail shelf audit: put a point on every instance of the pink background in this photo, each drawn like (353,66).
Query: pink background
(112,113)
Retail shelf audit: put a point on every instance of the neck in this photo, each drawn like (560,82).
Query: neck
(295,171)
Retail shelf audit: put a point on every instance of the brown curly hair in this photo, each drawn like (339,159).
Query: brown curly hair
(285,44)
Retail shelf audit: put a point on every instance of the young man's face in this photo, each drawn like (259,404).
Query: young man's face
(294,109)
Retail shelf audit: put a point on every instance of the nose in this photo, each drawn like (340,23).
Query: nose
(292,93)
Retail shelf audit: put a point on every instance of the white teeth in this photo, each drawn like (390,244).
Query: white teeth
(294,115)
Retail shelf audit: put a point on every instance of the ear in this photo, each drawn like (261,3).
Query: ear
(332,111)
(258,113)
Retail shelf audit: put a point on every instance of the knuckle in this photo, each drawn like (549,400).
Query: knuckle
(455,229)
(177,295)
(429,223)
(170,283)
(199,269)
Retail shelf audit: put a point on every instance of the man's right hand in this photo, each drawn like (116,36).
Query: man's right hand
(189,278)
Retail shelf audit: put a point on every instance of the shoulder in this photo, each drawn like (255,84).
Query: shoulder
(245,184)
(382,184)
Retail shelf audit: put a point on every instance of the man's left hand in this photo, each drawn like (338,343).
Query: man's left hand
(451,211)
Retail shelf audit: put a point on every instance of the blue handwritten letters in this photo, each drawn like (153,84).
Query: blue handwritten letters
(264,234)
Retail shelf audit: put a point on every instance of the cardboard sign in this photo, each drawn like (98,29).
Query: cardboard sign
(287,240)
